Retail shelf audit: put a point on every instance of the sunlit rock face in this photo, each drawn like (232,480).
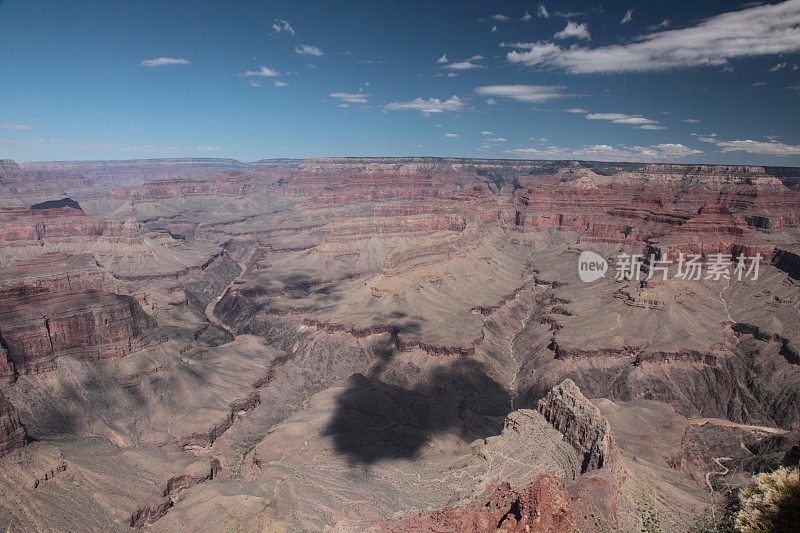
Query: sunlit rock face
(388,343)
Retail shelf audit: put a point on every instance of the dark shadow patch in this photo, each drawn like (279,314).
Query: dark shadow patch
(375,421)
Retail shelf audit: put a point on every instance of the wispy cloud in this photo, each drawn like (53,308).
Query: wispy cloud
(523,93)
(772,147)
(500,18)
(451,135)
(282,26)
(262,72)
(353,98)
(628,17)
(13,126)
(605,152)
(664,24)
(574,30)
(107,147)
(431,105)
(691,121)
(467,64)
(526,17)
(442,60)
(281,84)
(754,31)
(541,12)
(164,61)
(622,118)
(308,50)
(577,110)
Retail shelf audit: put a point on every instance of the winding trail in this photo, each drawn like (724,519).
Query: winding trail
(724,471)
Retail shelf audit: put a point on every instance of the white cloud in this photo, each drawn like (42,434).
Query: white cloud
(578,110)
(262,72)
(494,29)
(760,84)
(487,132)
(574,30)
(491,101)
(628,17)
(353,98)
(255,83)
(541,12)
(622,118)
(450,135)
(660,26)
(526,17)
(497,140)
(752,147)
(568,14)
(500,18)
(308,50)
(281,84)
(751,32)
(164,61)
(282,26)
(691,120)
(442,60)
(431,105)
(12,126)
(344,105)
(779,66)
(463,65)
(605,152)
(523,93)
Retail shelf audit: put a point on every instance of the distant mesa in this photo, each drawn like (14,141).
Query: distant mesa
(55,204)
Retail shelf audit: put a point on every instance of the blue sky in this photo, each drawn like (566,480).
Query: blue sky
(638,81)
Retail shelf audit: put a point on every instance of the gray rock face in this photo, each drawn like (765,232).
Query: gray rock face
(580,421)
(8,165)
(12,432)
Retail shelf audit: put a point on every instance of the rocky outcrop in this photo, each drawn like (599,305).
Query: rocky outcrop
(543,505)
(12,432)
(787,261)
(581,422)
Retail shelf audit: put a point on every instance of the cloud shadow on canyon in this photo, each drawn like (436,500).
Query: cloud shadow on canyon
(374,421)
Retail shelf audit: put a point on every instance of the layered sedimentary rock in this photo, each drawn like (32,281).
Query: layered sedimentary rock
(87,325)
(380,343)
(20,224)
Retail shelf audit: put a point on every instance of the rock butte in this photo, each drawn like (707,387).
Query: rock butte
(388,344)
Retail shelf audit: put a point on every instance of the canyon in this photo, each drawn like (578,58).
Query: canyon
(390,344)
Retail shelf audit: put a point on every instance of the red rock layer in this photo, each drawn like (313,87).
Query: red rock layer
(88,325)
(712,211)
(543,505)
(21,224)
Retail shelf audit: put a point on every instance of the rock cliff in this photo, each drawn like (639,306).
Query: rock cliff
(12,432)
(581,422)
